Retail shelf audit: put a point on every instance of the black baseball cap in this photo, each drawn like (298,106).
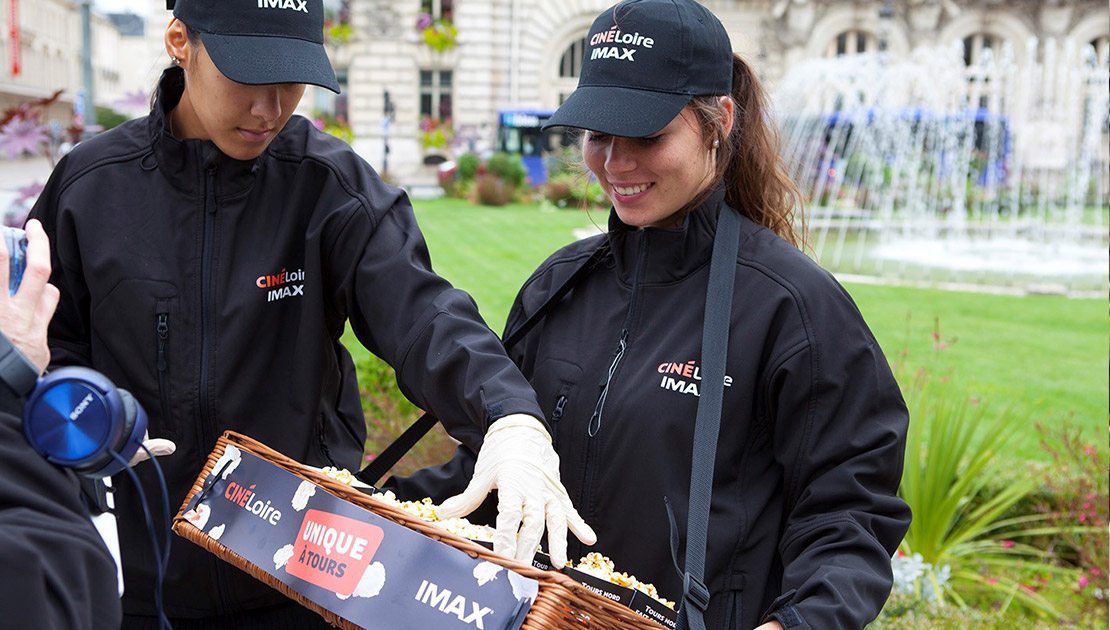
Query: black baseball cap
(261,42)
(644,61)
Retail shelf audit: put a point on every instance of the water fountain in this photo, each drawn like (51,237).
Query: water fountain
(929,171)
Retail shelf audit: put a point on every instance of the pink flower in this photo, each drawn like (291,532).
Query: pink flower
(992,581)
(23,136)
(370,456)
(936,335)
(1083,581)
(1006,544)
(424,20)
(1082,518)
(29,192)
(974,401)
(1088,450)
(1095,572)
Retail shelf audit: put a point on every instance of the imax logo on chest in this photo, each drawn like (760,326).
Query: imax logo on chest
(292,5)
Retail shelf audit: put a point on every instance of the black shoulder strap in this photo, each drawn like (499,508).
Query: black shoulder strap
(714,349)
(385,460)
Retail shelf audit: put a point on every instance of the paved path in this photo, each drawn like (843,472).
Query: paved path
(17,174)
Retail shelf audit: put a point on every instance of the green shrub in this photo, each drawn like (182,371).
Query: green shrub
(959,545)
(389,413)
(1075,498)
(508,168)
(468,166)
(108,118)
(491,190)
(903,612)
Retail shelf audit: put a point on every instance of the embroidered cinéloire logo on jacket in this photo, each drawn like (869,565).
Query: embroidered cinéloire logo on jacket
(683,377)
(282,284)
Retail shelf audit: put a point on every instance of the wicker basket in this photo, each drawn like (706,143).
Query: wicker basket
(562,603)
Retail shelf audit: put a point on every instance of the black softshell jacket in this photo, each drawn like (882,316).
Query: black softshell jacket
(217,290)
(55,571)
(804,516)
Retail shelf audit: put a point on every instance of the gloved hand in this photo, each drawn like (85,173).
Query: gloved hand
(518,459)
(157,446)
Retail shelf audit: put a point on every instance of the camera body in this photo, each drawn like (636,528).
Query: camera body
(15,240)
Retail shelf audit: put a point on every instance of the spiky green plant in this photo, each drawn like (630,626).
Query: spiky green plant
(951,457)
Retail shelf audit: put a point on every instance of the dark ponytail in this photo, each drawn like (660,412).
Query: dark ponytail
(749,161)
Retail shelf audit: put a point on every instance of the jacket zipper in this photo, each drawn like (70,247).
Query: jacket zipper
(206,428)
(622,345)
(556,416)
(594,428)
(163,330)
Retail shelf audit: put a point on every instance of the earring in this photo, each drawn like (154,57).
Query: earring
(175,60)
(716,143)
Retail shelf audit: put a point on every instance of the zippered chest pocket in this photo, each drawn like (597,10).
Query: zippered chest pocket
(557,384)
(164,341)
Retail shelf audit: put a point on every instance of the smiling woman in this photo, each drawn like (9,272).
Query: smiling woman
(803,514)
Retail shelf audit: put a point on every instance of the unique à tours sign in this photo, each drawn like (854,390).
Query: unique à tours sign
(349,560)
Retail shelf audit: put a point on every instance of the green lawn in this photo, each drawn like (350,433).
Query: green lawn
(1050,352)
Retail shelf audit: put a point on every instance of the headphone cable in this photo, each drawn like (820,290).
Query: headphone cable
(161,557)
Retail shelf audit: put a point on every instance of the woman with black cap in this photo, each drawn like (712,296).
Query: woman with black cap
(209,256)
(802,516)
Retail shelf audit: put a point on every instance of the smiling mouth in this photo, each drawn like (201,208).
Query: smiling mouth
(630,190)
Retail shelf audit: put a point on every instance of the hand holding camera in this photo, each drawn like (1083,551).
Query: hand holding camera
(27,300)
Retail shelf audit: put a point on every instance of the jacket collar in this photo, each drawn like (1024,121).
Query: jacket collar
(670,254)
(184,162)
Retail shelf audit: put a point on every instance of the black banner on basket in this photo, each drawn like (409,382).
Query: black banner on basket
(349,560)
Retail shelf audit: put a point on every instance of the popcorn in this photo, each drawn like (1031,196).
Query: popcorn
(593,563)
(600,566)
(342,475)
(426,510)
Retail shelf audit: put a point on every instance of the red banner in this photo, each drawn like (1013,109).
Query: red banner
(13,34)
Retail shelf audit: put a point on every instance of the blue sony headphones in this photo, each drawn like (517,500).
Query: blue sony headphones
(76,417)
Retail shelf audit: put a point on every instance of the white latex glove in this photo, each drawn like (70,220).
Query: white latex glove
(157,447)
(518,459)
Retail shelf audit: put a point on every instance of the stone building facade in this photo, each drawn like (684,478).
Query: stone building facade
(49,55)
(524,54)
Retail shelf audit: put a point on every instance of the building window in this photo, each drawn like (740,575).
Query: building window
(570,66)
(1102,50)
(435,94)
(852,42)
(976,47)
(438,9)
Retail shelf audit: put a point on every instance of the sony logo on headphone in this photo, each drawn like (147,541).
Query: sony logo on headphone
(296,5)
(80,408)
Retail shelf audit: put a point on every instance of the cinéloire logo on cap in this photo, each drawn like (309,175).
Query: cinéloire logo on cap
(292,5)
(603,44)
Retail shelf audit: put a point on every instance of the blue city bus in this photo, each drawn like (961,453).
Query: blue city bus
(518,132)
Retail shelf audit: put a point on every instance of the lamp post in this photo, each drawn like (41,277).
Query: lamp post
(88,109)
(387,119)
